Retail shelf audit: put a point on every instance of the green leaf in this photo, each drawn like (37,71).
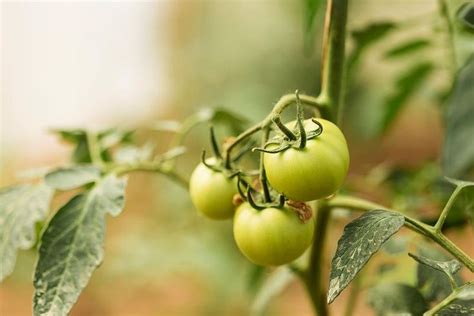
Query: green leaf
(433,283)
(460,302)
(107,139)
(458,149)
(71,246)
(395,298)
(278,281)
(449,268)
(72,177)
(407,48)
(72,136)
(364,38)
(361,239)
(405,86)
(113,137)
(21,207)
(371,33)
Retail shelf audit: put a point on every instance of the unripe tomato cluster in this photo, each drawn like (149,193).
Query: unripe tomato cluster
(274,236)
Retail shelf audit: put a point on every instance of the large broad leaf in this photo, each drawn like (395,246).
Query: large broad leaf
(458,149)
(396,299)
(460,302)
(361,239)
(272,286)
(433,283)
(364,38)
(405,86)
(72,246)
(21,207)
(72,177)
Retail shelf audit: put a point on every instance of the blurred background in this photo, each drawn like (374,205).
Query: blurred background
(130,63)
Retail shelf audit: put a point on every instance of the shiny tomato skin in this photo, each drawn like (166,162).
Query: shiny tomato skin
(312,173)
(212,192)
(272,236)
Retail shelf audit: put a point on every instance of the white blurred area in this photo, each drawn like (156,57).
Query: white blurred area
(76,64)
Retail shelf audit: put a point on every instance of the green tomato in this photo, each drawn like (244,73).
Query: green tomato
(314,172)
(212,192)
(272,236)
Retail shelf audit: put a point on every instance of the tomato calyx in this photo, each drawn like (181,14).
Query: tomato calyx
(283,142)
(288,138)
(218,165)
(257,199)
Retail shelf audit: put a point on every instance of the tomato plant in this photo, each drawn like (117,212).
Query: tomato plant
(286,205)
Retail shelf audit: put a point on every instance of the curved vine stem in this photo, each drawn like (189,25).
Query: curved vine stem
(279,107)
(315,281)
(429,231)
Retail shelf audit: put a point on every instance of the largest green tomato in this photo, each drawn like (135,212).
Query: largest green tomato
(271,237)
(314,172)
(212,192)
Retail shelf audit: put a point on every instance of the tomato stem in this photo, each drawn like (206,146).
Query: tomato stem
(263,173)
(214,143)
(332,70)
(315,281)
(300,121)
(94,148)
(285,130)
(332,74)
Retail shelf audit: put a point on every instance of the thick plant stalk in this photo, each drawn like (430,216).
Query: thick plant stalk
(332,73)
(332,70)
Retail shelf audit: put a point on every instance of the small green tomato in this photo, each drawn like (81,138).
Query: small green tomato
(314,172)
(272,236)
(212,192)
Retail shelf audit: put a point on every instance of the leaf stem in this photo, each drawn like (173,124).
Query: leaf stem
(444,214)
(263,173)
(94,148)
(151,166)
(332,70)
(314,278)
